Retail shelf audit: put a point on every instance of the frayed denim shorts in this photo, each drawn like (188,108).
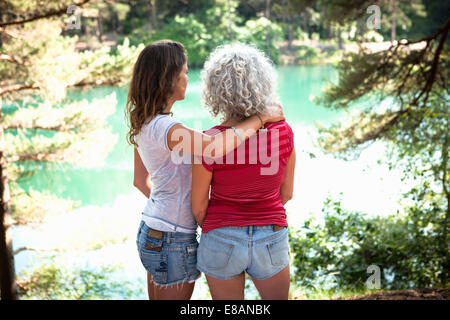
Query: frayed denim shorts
(224,253)
(170,260)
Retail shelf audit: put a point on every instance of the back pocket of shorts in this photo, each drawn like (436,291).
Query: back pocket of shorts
(279,251)
(214,254)
(156,265)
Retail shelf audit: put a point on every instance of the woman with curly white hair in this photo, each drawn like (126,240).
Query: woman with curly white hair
(239,199)
(166,239)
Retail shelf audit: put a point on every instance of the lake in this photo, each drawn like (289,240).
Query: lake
(110,206)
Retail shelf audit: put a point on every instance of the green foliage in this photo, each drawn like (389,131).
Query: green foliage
(315,54)
(109,66)
(42,125)
(55,282)
(69,133)
(193,34)
(406,93)
(258,31)
(334,254)
(307,53)
(201,32)
(34,207)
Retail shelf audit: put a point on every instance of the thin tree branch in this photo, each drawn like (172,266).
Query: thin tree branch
(446,26)
(372,136)
(49,157)
(11,34)
(17,87)
(43,16)
(6,57)
(37,127)
(21,87)
(34,249)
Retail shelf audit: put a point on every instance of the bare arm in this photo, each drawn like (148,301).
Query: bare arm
(201,181)
(287,187)
(141,176)
(193,142)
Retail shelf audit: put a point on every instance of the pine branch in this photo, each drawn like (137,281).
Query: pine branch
(11,34)
(77,128)
(19,250)
(80,147)
(401,72)
(49,14)
(17,87)
(437,56)
(48,157)
(33,207)
(14,59)
(369,72)
(37,127)
(431,37)
(363,128)
(22,87)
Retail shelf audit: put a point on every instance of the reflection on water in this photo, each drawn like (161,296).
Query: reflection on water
(111,207)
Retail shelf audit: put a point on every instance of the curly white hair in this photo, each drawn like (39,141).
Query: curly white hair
(238,81)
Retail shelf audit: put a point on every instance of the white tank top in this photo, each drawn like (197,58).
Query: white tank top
(169,206)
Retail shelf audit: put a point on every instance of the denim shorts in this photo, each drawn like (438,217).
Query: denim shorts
(225,253)
(170,260)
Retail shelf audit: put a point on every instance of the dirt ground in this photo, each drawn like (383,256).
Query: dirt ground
(411,294)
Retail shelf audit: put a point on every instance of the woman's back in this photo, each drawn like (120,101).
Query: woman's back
(245,187)
(168,208)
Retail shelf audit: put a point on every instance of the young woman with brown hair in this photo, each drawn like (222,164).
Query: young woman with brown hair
(166,238)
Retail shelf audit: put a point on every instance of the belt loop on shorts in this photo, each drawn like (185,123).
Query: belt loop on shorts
(250,231)
(277,228)
(168,236)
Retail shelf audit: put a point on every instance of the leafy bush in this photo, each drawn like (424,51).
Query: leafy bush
(52,281)
(255,32)
(334,254)
(307,53)
(192,34)
(202,32)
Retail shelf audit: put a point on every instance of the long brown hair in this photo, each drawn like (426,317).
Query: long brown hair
(154,74)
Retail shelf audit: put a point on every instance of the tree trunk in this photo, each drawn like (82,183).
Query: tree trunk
(446,223)
(362,30)
(305,24)
(230,22)
(393,22)
(290,34)
(99,26)
(339,36)
(8,285)
(153,13)
(268,30)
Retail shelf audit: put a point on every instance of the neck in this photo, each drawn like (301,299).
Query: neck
(168,107)
(230,122)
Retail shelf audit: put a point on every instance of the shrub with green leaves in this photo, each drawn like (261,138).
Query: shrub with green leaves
(56,282)
(334,254)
